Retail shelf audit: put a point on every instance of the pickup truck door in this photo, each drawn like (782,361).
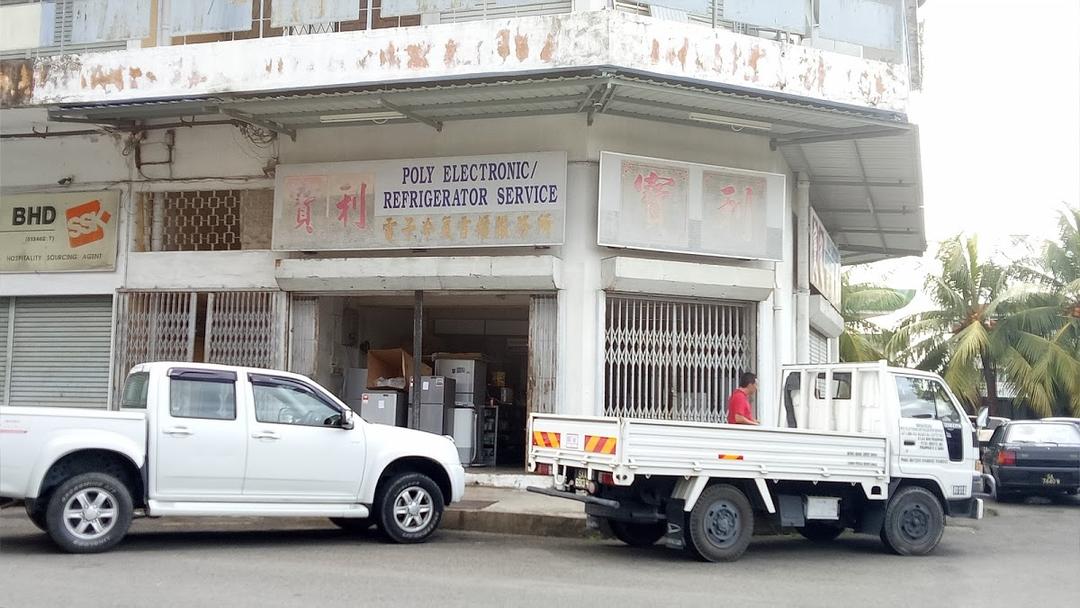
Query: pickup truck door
(199,442)
(297,450)
(933,441)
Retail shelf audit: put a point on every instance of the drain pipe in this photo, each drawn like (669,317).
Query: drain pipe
(802,287)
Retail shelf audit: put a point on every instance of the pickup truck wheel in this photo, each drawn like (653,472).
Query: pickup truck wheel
(89,513)
(410,508)
(37,516)
(638,534)
(914,522)
(820,532)
(720,524)
(353,524)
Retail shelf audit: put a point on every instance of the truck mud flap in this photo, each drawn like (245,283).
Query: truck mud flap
(676,524)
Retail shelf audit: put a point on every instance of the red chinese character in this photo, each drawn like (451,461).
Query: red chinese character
(351,202)
(304,201)
(654,192)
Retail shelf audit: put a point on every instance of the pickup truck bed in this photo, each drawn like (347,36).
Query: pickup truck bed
(630,447)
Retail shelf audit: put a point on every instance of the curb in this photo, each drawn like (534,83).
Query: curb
(519,524)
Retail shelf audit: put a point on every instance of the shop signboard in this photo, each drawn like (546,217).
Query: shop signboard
(680,207)
(59,232)
(824,261)
(475,201)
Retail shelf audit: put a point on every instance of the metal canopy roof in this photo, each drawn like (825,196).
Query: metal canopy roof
(862,163)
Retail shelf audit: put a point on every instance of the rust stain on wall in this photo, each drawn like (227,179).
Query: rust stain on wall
(451,52)
(736,55)
(548,52)
(821,74)
(280,65)
(134,74)
(16,83)
(504,44)
(756,54)
(718,59)
(655,54)
(195,79)
(151,76)
(388,56)
(101,78)
(521,46)
(879,85)
(418,56)
(682,52)
(269,65)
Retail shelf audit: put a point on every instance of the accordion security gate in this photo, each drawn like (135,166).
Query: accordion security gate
(229,327)
(675,360)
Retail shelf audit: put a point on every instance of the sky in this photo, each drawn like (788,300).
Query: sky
(999,121)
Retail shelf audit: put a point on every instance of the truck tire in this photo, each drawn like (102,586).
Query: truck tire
(353,524)
(720,524)
(638,534)
(914,522)
(410,507)
(89,513)
(37,516)
(820,531)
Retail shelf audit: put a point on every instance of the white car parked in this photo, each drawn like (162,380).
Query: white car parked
(210,440)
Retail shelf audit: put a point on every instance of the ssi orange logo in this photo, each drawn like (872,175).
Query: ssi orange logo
(86,223)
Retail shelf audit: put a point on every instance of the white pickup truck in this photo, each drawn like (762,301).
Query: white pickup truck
(210,440)
(867,447)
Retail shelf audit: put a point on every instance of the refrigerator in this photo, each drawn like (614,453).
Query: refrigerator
(470,376)
(383,407)
(436,402)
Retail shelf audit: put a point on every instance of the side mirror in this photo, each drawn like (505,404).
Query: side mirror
(348,419)
(983,418)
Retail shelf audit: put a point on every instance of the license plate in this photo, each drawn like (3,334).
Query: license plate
(1050,480)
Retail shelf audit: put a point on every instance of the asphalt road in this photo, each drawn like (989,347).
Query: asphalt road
(1024,556)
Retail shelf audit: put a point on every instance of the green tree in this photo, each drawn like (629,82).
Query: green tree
(960,337)
(1042,354)
(864,340)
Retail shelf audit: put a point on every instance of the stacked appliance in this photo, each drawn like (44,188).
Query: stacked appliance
(470,391)
(376,406)
(436,399)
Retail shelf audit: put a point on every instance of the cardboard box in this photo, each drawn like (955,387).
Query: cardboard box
(391,363)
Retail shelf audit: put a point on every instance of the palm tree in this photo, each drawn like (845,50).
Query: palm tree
(960,338)
(864,340)
(1043,349)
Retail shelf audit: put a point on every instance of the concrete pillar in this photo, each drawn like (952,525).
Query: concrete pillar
(580,299)
(802,285)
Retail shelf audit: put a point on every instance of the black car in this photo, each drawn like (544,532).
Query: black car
(1030,458)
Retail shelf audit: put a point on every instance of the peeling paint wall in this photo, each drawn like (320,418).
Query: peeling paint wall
(480,48)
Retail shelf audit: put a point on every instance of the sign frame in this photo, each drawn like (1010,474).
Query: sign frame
(74,216)
(774,213)
(556,161)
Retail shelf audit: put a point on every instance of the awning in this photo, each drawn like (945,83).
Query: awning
(863,163)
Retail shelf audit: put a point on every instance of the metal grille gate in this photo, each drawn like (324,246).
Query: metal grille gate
(675,360)
(232,327)
(543,329)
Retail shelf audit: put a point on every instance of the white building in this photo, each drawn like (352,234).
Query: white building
(616,203)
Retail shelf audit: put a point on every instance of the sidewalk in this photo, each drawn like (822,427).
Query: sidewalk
(512,511)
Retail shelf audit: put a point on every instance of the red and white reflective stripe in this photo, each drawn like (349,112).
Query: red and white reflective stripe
(545,439)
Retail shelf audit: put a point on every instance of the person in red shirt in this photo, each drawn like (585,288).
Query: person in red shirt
(739,402)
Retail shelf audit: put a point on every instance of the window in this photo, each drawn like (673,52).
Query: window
(135,391)
(925,398)
(198,394)
(1043,433)
(282,401)
(841,386)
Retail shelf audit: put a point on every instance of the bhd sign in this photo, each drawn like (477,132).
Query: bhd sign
(58,232)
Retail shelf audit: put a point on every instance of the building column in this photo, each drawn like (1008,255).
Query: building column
(580,323)
(802,286)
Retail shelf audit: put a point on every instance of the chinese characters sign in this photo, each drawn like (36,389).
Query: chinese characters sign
(824,261)
(690,208)
(478,201)
(59,232)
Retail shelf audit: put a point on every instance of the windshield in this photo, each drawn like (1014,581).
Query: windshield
(1043,433)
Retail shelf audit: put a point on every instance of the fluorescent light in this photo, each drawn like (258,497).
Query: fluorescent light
(362,116)
(735,123)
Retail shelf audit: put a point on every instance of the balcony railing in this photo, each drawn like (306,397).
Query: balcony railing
(875,29)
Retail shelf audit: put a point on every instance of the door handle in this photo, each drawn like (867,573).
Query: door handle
(266,435)
(909,442)
(177,431)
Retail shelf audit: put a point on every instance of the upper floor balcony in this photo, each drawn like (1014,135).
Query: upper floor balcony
(854,53)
